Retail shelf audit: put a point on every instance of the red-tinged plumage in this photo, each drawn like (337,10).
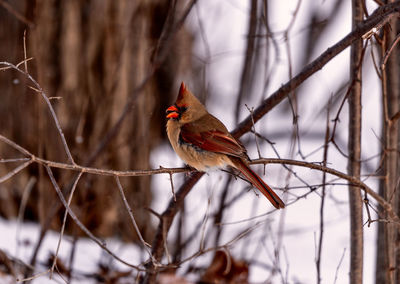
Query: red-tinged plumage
(259,183)
(202,141)
(214,141)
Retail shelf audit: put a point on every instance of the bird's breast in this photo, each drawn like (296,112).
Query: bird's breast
(194,156)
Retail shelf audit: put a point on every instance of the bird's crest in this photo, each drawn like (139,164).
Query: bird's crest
(182,91)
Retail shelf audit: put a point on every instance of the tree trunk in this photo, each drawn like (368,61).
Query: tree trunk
(387,270)
(354,145)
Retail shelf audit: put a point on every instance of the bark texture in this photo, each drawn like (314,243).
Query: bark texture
(93,55)
(388,255)
(354,146)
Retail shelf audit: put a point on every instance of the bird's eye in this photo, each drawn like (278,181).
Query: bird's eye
(182,109)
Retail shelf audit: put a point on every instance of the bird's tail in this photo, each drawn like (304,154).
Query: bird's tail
(258,183)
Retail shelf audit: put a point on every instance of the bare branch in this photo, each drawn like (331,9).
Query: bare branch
(389,51)
(353,180)
(15,171)
(130,212)
(64,223)
(101,243)
(321,211)
(78,168)
(380,16)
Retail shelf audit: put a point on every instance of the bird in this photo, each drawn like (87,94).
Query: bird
(202,141)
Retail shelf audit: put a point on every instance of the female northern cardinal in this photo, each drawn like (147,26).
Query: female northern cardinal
(202,141)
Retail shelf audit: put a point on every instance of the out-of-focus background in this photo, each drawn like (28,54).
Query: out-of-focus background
(111,68)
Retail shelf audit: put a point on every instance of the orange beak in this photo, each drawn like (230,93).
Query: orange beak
(172,112)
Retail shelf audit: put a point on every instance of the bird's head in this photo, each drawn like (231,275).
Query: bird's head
(187,107)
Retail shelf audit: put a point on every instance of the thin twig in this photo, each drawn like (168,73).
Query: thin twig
(285,166)
(339,264)
(172,186)
(24,200)
(367,205)
(204,223)
(50,107)
(33,276)
(322,206)
(130,212)
(3,161)
(64,223)
(101,243)
(15,171)
(25,57)
(254,130)
(389,51)
(353,82)
(395,117)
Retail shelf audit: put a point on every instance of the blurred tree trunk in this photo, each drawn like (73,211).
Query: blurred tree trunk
(354,145)
(92,55)
(388,254)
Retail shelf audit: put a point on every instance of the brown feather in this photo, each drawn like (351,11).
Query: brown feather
(215,139)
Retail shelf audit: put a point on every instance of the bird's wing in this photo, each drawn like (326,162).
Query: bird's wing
(212,140)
